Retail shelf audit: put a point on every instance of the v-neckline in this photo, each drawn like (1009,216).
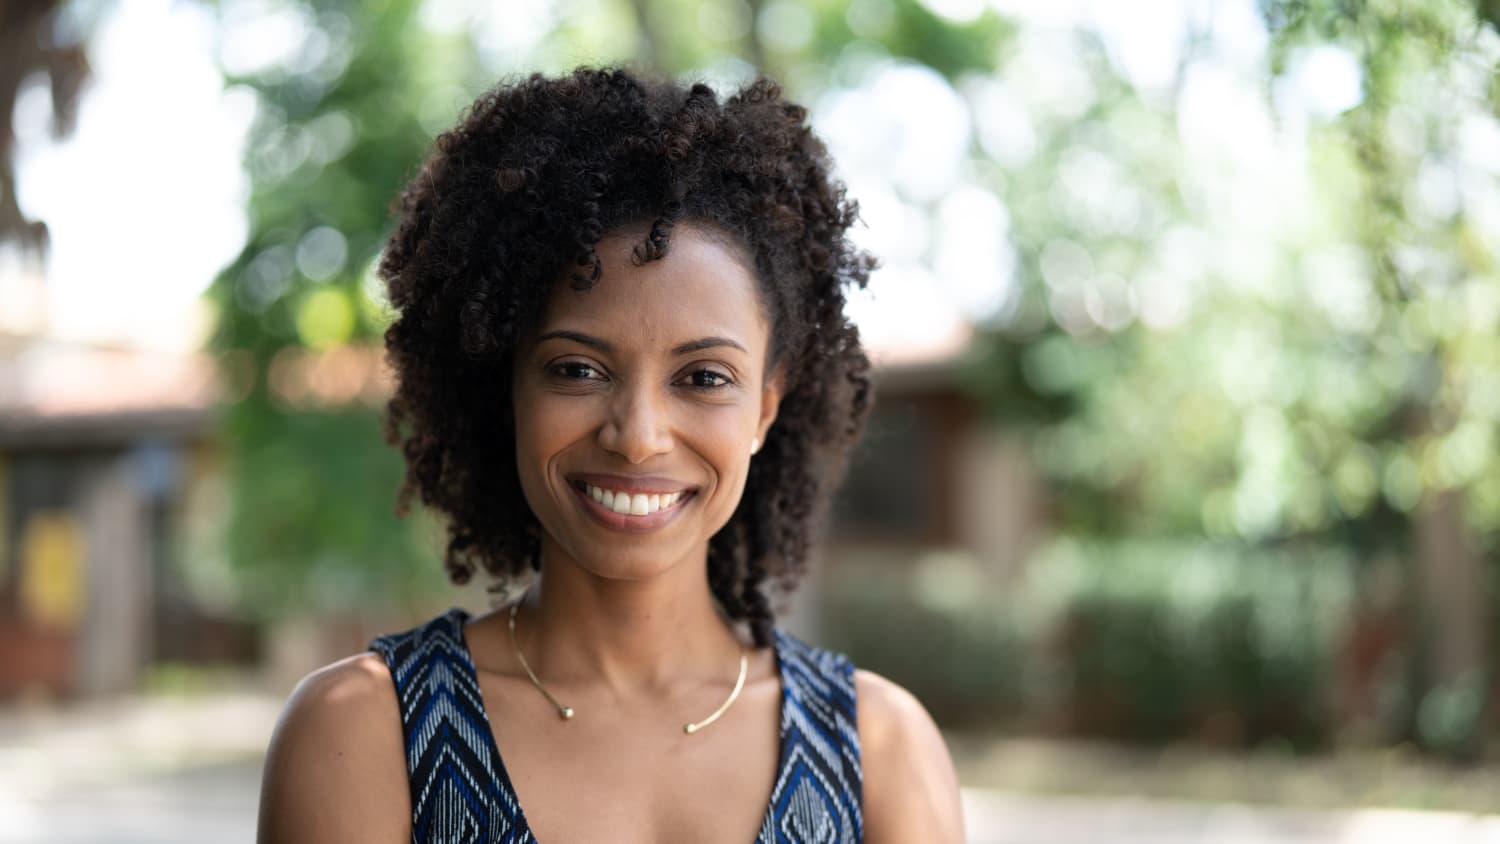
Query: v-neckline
(461,617)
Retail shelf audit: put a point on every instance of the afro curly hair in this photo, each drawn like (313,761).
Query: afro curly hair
(513,200)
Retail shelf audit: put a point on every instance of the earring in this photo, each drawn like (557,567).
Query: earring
(754,444)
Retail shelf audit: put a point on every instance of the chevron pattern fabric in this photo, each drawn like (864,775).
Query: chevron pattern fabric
(819,782)
(461,793)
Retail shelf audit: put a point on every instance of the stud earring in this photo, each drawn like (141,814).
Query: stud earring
(754,445)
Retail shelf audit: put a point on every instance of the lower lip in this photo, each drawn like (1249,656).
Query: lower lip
(626,523)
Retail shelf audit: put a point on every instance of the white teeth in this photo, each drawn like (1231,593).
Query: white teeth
(635,505)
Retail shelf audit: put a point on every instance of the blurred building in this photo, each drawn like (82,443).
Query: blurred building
(932,479)
(95,446)
(930,472)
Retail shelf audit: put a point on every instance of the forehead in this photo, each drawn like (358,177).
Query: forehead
(701,287)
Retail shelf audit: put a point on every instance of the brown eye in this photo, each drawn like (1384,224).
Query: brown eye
(575,371)
(707,379)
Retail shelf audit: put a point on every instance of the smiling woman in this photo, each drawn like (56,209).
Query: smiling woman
(626,378)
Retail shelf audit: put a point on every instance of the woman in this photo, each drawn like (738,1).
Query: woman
(625,376)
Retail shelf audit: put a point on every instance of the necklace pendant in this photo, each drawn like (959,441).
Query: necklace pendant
(565,713)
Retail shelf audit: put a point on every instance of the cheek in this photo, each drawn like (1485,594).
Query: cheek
(528,471)
(542,430)
(725,443)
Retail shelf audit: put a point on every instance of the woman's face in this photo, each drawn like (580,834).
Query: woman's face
(637,403)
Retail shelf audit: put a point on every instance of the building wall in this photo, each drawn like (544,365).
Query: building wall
(115,633)
(1001,505)
(75,572)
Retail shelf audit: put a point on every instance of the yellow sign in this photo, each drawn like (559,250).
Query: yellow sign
(52,569)
(5,561)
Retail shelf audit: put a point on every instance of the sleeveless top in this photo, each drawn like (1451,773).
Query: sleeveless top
(460,791)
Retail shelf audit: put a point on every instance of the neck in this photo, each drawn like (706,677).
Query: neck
(630,634)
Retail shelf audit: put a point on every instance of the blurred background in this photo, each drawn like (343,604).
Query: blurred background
(1179,509)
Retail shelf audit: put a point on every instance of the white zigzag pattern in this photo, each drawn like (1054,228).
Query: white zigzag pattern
(441,644)
(815,682)
(444,712)
(428,676)
(813,803)
(808,818)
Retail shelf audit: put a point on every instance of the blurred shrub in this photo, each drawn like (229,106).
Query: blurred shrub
(1227,645)
(933,627)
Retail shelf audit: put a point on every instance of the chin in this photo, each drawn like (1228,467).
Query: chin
(631,558)
(626,569)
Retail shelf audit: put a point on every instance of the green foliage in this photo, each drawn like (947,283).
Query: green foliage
(951,49)
(1142,641)
(1450,715)
(313,484)
(313,526)
(1311,336)
(1330,379)
(930,627)
(1225,644)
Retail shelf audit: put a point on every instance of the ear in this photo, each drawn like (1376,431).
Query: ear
(770,402)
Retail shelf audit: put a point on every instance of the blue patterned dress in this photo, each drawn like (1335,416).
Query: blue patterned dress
(460,791)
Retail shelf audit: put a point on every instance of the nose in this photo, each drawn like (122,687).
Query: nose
(638,424)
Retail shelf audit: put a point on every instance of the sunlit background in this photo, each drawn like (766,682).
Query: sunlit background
(1180,508)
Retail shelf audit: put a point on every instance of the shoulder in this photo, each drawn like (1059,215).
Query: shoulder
(336,766)
(356,691)
(910,787)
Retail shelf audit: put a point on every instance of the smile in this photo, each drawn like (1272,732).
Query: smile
(628,504)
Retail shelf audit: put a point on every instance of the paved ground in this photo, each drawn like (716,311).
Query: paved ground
(999,818)
(134,771)
(188,770)
(208,803)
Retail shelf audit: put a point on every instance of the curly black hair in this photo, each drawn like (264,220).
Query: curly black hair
(513,201)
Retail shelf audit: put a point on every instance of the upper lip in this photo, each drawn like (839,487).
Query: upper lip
(633,484)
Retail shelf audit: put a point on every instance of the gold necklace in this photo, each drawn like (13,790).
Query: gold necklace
(566,712)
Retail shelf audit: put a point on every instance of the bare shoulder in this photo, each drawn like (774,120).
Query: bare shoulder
(336,769)
(910,787)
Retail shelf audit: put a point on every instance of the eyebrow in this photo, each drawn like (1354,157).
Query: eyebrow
(604,346)
(706,343)
(577,337)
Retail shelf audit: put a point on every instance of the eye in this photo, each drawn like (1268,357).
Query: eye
(708,379)
(575,370)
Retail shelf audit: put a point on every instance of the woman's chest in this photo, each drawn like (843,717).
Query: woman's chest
(634,776)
